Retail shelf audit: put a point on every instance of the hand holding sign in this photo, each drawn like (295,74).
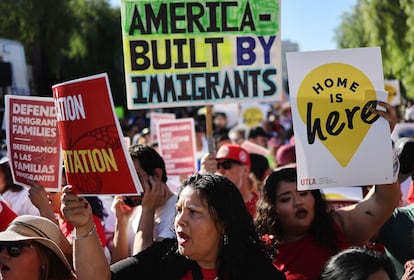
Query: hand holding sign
(337,104)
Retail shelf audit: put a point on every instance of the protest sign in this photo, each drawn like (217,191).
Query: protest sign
(186,53)
(338,197)
(252,114)
(94,150)
(393,89)
(339,142)
(155,118)
(32,138)
(176,145)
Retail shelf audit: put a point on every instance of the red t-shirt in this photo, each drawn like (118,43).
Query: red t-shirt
(251,204)
(208,274)
(303,259)
(6,216)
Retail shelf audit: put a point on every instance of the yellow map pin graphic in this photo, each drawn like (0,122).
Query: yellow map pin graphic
(252,117)
(392,92)
(333,102)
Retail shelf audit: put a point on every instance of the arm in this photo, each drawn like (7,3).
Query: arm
(89,258)
(361,221)
(156,195)
(123,214)
(39,198)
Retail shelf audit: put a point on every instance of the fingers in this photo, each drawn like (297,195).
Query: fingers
(75,209)
(389,113)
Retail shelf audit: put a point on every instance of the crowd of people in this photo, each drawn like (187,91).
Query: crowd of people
(240,216)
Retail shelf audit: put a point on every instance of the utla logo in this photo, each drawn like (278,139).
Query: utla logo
(307,181)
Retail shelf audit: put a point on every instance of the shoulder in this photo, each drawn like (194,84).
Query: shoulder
(155,262)
(264,270)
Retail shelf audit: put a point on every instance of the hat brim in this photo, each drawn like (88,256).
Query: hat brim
(11,236)
(4,160)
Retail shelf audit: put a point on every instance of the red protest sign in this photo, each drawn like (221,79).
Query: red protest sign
(32,139)
(94,151)
(176,144)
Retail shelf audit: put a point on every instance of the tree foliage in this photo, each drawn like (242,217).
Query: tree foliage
(389,25)
(67,39)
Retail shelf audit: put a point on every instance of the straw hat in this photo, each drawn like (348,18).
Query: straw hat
(38,229)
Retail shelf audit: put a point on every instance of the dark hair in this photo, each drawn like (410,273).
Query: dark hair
(322,228)
(97,206)
(8,178)
(149,159)
(259,165)
(227,209)
(52,266)
(357,264)
(256,131)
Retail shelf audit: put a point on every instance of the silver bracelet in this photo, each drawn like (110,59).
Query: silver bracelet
(74,237)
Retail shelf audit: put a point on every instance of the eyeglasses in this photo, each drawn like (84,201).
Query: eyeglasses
(14,249)
(227,164)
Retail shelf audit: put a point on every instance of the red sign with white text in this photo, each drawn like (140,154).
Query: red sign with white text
(33,144)
(176,145)
(94,151)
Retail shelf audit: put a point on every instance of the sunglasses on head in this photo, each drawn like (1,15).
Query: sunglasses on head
(14,249)
(227,164)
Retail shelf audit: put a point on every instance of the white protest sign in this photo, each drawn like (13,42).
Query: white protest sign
(339,142)
(393,89)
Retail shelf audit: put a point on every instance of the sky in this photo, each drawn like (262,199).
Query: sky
(309,23)
(312,23)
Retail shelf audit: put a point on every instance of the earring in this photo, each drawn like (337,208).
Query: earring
(225,240)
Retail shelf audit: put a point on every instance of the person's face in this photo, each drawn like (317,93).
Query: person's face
(294,209)
(261,141)
(235,172)
(198,236)
(220,121)
(25,266)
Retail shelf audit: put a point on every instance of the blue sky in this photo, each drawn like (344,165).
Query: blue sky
(310,23)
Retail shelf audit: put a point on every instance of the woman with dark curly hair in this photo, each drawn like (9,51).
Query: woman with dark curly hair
(301,229)
(303,233)
(215,239)
(359,264)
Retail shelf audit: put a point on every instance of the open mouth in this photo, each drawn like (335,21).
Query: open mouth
(301,213)
(182,238)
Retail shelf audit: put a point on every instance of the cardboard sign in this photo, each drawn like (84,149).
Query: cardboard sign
(176,145)
(338,141)
(33,145)
(186,53)
(95,155)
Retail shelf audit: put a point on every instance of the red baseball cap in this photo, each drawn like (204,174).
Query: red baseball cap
(234,152)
